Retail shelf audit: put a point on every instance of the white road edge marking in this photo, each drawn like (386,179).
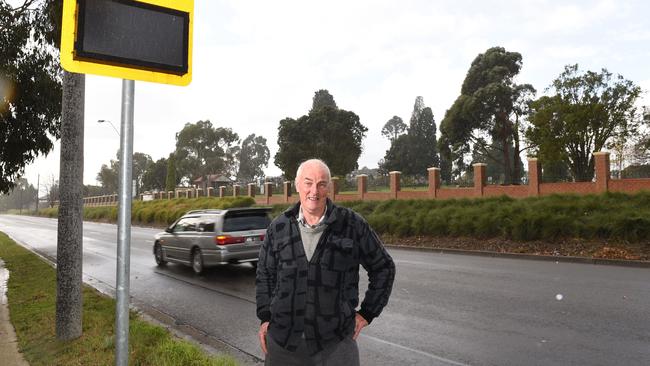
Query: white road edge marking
(442,359)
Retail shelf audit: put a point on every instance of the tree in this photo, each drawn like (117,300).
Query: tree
(30,83)
(108,177)
(154,178)
(323,98)
(141,163)
(489,110)
(20,197)
(328,133)
(585,112)
(393,128)
(202,149)
(446,160)
(398,156)
(171,181)
(92,191)
(416,151)
(109,174)
(424,149)
(51,186)
(495,165)
(253,157)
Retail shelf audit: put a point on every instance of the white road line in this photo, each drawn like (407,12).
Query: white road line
(438,358)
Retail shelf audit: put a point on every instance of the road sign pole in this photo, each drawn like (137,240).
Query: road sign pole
(124,227)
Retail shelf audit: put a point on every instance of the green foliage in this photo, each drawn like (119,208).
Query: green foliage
(611,216)
(586,111)
(154,177)
(171,180)
(491,105)
(322,98)
(253,157)
(415,152)
(108,176)
(159,212)
(203,149)
(32,303)
(328,133)
(493,157)
(393,128)
(30,87)
(141,163)
(21,197)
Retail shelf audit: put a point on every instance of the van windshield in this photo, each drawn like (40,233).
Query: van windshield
(242,221)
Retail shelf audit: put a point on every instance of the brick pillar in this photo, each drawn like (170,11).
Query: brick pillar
(199,192)
(335,187)
(222,191)
(362,185)
(236,190)
(252,189)
(603,176)
(268,192)
(287,190)
(395,183)
(534,176)
(170,195)
(480,178)
(210,192)
(434,181)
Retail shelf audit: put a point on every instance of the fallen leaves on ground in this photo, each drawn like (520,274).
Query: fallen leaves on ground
(566,247)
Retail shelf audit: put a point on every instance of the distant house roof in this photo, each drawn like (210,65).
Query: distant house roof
(214,178)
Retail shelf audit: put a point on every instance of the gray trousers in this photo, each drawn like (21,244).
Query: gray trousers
(344,353)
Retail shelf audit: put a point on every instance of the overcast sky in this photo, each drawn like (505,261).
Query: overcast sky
(257,62)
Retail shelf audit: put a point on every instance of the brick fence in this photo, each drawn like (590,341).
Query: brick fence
(601,183)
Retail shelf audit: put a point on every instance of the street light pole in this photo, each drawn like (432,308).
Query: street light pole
(110,123)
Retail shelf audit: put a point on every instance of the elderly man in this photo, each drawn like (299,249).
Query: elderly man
(308,278)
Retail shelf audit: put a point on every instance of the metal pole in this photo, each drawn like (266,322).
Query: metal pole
(124,226)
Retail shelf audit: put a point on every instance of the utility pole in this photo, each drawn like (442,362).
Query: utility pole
(69,249)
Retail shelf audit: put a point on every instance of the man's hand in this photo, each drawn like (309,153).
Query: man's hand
(360,324)
(262,334)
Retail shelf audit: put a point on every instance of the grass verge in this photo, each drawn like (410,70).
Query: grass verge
(611,225)
(32,306)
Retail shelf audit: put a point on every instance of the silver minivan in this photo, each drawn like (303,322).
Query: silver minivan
(206,238)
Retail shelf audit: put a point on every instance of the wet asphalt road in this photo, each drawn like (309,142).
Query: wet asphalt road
(445,309)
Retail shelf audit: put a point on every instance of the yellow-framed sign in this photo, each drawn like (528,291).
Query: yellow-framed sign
(148,40)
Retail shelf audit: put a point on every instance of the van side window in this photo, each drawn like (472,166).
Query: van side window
(206,226)
(186,224)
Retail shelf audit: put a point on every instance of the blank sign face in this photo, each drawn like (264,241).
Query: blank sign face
(133,33)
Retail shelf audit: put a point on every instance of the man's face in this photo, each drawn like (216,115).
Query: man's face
(313,187)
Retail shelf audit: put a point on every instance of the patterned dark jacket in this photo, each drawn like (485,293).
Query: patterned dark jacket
(319,297)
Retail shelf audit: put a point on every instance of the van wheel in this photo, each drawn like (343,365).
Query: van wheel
(197,261)
(158,254)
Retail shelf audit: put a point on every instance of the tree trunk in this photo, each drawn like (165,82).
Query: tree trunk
(516,175)
(70,227)
(506,152)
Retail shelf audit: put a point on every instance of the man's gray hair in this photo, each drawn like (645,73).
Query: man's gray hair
(316,161)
